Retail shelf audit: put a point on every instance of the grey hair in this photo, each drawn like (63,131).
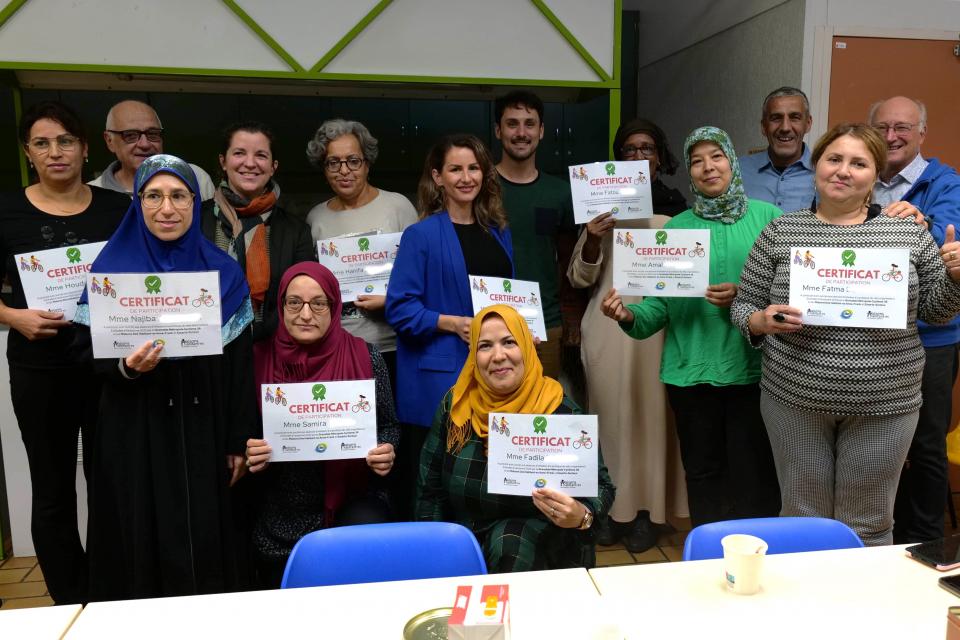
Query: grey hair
(110,114)
(786,92)
(330,130)
(922,107)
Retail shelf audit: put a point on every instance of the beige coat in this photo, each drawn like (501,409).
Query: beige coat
(623,388)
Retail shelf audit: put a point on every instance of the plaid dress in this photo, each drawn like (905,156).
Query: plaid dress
(513,533)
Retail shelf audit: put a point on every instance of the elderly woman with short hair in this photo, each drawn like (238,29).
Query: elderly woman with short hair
(345,150)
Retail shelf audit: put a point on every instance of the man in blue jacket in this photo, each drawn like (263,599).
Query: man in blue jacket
(934,188)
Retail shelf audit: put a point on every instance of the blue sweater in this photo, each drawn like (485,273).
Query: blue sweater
(429,278)
(937,194)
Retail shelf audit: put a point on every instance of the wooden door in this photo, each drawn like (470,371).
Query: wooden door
(864,70)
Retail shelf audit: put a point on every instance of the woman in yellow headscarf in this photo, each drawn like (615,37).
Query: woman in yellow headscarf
(503,375)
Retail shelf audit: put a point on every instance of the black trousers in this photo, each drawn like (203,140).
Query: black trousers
(52,407)
(725,451)
(406,470)
(921,496)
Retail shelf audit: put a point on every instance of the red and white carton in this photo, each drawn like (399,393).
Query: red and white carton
(480,614)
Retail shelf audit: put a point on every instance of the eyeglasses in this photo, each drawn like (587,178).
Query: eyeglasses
(132,136)
(899,128)
(319,306)
(65,142)
(332,165)
(181,200)
(645,150)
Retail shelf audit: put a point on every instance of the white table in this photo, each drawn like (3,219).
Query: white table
(39,623)
(544,604)
(852,593)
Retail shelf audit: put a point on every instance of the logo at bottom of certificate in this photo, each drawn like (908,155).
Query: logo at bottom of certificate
(320,448)
(661,285)
(569,484)
(349,446)
(290,449)
(876,315)
(540,483)
(510,482)
(846,314)
(814,313)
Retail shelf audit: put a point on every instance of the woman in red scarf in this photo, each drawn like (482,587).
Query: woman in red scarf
(299,497)
(245,220)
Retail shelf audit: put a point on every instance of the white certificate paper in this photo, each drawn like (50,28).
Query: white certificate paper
(362,264)
(661,262)
(842,287)
(622,187)
(319,420)
(528,452)
(53,279)
(522,295)
(181,310)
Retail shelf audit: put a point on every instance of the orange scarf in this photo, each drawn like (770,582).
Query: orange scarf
(257,259)
(474,400)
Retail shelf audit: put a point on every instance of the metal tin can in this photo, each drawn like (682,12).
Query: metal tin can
(429,625)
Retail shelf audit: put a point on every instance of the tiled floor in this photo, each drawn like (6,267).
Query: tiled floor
(22,585)
(669,548)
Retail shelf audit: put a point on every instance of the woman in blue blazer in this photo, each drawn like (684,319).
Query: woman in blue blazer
(462,230)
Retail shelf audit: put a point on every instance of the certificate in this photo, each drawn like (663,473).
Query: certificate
(522,295)
(665,262)
(842,287)
(319,420)
(621,187)
(528,452)
(53,279)
(180,310)
(362,264)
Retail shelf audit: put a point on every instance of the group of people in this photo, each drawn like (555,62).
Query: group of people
(773,416)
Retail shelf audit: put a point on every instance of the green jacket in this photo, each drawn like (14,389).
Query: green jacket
(701,346)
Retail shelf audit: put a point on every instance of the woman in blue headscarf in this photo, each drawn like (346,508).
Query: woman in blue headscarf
(172,432)
(712,378)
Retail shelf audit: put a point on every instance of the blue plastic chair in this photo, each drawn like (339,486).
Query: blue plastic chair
(383,552)
(782,535)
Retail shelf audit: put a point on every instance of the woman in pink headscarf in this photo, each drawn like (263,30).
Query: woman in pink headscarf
(296,498)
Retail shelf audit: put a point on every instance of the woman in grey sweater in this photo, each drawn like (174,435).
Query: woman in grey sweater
(841,403)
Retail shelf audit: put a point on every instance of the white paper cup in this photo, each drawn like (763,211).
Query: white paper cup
(743,562)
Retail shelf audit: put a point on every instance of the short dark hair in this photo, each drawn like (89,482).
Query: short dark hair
(517,99)
(51,110)
(668,161)
(787,92)
(248,126)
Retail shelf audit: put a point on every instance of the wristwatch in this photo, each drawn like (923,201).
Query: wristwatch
(587,520)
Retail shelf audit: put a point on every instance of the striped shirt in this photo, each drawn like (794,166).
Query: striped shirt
(844,370)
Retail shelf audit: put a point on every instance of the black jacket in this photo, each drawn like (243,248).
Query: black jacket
(290,243)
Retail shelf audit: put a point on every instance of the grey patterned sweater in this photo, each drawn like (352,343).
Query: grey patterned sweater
(844,370)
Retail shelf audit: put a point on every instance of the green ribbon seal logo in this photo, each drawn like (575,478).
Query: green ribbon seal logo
(153,284)
(73,254)
(661,237)
(319,391)
(364,244)
(507,286)
(848,257)
(539,424)
(611,169)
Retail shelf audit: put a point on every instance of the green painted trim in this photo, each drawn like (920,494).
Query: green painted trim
(301,75)
(266,37)
(17,114)
(571,39)
(10,9)
(617,39)
(351,35)
(614,116)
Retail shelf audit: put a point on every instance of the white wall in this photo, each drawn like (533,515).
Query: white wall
(722,79)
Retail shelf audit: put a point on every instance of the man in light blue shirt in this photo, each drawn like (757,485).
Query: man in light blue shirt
(784,174)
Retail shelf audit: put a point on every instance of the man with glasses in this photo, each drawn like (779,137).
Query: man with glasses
(133,134)
(540,212)
(784,174)
(934,188)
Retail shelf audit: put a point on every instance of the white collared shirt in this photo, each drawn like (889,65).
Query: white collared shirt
(886,192)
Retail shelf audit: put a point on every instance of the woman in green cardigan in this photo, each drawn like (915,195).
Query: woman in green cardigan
(711,374)
(549,529)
